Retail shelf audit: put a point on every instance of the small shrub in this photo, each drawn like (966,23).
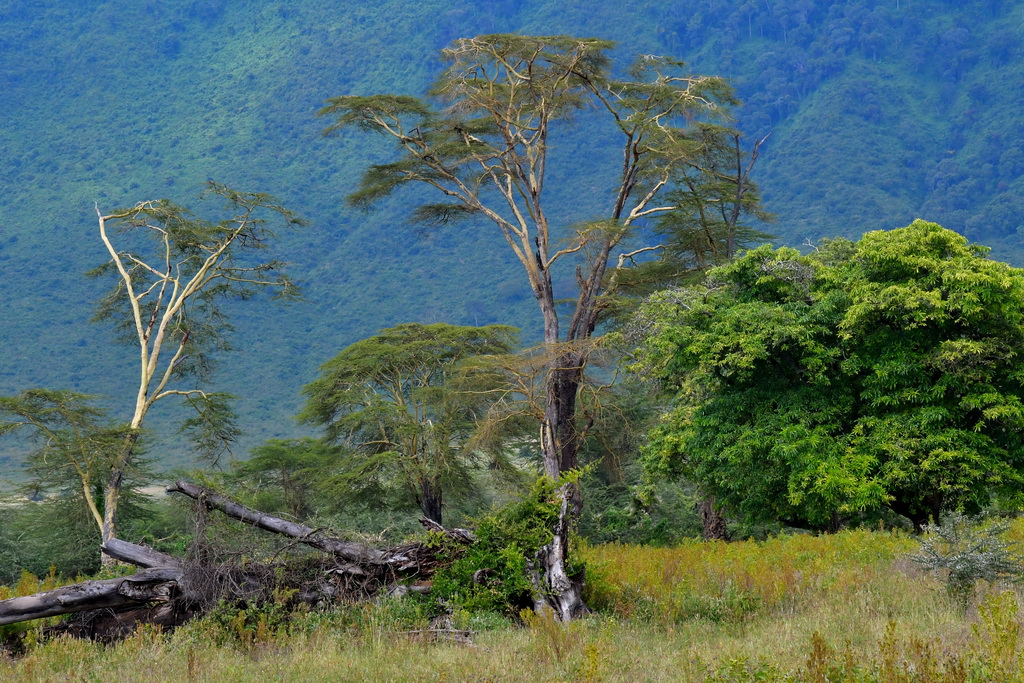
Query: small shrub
(968,550)
(249,624)
(491,575)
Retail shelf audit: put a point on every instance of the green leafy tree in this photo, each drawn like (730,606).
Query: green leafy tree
(172,275)
(407,400)
(878,374)
(715,199)
(284,475)
(482,143)
(73,443)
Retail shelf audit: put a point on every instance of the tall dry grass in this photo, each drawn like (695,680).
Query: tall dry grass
(846,607)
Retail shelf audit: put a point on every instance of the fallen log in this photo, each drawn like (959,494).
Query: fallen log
(149,585)
(154,593)
(354,552)
(139,555)
(358,554)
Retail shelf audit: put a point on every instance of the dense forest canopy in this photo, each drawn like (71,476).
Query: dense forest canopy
(879,112)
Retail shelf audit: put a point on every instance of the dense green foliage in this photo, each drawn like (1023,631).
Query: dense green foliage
(493,573)
(879,112)
(878,374)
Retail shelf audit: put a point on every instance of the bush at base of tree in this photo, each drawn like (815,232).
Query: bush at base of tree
(493,575)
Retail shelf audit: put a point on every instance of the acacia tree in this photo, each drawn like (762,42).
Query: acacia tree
(171,281)
(878,374)
(406,401)
(482,142)
(73,442)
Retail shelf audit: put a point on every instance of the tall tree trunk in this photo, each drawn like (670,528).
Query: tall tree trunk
(554,587)
(430,499)
(112,493)
(712,520)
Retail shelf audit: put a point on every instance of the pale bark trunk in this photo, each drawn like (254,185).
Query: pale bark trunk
(112,493)
(554,588)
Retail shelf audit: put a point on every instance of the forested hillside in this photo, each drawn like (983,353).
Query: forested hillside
(879,112)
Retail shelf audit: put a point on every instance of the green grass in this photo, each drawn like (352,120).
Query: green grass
(849,606)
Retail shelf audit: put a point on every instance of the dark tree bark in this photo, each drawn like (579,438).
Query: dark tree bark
(927,512)
(712,520)
(430,499)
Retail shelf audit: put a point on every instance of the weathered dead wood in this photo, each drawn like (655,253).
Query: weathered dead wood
(357,553)
(154,594)
(149,585)
(139,555)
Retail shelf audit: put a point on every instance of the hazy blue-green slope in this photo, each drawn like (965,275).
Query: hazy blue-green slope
(878,113)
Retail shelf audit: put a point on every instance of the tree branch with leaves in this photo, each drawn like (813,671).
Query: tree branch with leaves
(173,272)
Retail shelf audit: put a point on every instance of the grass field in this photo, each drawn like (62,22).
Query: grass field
(844,607)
